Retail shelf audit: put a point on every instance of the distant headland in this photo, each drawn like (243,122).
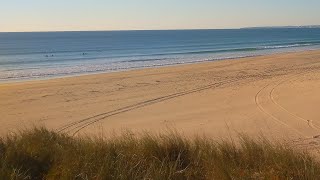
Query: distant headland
(279,27)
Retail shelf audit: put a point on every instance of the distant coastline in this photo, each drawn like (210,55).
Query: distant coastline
(282,27)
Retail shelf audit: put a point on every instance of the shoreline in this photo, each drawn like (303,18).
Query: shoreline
(256,95)
(30,80)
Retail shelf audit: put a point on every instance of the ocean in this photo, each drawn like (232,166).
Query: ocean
(38,55)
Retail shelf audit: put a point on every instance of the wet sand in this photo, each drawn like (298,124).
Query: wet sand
(277,96)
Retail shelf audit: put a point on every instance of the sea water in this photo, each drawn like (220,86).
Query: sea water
(37,55)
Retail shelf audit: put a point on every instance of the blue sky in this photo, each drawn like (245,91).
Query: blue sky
(64,15)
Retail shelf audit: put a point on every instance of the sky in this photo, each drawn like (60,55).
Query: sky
(80,15)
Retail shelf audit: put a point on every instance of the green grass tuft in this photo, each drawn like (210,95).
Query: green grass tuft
(43,154)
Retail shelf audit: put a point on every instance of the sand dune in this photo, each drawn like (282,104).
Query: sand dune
(277,95)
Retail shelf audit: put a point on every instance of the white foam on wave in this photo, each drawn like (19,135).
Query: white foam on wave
(286,46)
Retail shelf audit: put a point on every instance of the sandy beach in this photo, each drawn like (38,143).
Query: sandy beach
(276,95)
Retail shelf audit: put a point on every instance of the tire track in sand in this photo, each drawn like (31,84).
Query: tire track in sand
(263,110)
(308,121)
(281,115)
(77,126)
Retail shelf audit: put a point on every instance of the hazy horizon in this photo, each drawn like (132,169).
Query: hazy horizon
(106,30)
(97,15)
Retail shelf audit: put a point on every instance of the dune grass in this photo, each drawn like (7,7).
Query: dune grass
(43,154)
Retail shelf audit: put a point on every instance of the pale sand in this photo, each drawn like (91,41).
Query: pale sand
(277,96)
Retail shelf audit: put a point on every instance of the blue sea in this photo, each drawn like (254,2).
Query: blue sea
(38,55)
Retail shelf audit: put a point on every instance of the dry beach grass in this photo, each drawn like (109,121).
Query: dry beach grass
(43,154)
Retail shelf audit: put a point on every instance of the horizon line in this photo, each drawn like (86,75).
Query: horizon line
(248,27)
